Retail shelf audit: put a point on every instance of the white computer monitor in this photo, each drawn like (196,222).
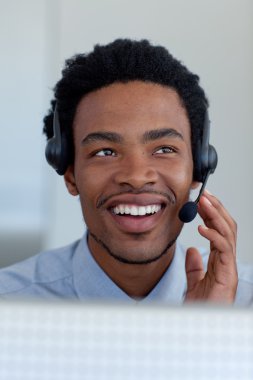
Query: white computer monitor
(73,341)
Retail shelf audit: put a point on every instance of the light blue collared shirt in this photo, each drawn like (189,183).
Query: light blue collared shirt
(71,272)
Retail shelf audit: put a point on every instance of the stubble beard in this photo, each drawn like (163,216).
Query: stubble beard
(156,256)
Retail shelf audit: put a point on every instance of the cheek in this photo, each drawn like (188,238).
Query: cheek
(180,180)
(180,173)
(184,177)
(91,184)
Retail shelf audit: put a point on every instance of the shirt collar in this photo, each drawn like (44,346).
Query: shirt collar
(92,283)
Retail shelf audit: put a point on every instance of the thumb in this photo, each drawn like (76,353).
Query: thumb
(194,268)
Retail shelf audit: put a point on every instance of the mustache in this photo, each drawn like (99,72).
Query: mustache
(169,196)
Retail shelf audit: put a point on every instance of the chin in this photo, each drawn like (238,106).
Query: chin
(139,252)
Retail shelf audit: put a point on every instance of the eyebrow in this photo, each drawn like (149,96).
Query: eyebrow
(102,136)
(114,137)
(156,134)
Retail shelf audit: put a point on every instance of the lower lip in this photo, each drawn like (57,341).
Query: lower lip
(137,224)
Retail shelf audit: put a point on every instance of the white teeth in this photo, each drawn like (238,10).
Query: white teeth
(136,210)
(149,209)
(127,210)
(142,210)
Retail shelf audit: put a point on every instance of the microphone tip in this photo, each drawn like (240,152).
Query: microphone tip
(188,212)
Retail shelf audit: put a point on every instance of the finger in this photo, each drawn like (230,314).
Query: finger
(214,219)
(194,268)
(221,209)
(221,263)
(219,243)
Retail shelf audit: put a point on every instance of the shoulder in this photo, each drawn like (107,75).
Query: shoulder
(34,274)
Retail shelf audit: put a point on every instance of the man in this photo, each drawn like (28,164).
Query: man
(125,128)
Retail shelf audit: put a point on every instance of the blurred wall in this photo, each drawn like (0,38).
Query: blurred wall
(214,38)
(23,73)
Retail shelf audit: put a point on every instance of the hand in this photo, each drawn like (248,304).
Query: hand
(219,283)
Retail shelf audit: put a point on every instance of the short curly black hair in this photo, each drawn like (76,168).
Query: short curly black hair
(125,60)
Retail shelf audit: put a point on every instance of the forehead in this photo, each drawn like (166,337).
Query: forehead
(131,108)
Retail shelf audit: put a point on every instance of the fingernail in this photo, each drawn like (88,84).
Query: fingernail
(208,192)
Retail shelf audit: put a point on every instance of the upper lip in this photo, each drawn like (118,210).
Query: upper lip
(143,199)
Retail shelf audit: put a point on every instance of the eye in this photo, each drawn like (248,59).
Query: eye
(105,152)
(165,149)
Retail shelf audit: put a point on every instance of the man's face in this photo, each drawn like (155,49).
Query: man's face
(133,168)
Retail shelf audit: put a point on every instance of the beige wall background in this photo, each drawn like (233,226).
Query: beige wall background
(214,38)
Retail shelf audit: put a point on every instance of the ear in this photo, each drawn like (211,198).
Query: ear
(70,181)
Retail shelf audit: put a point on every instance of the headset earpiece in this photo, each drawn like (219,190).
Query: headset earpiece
(205,163)
(57,149)
(212,159)
(206,155)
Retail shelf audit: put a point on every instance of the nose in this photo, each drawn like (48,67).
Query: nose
(136,172)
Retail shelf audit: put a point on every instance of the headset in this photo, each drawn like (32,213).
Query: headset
(58,155)
(205,164)
(58,149)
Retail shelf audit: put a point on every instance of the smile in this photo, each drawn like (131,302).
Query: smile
(134,210)
(137,213)
(132,218)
